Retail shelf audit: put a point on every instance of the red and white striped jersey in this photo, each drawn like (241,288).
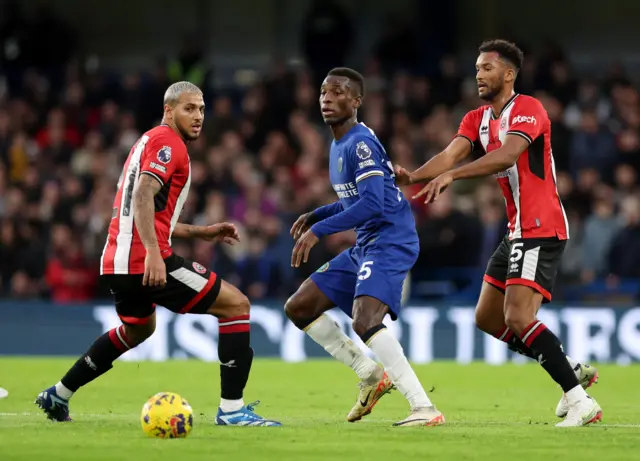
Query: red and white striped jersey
(534,208)
(161,153)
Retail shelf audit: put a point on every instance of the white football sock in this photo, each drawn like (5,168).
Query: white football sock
(326,332)
(573,363)
(575,395)
(390,353)
(229,406)
(63,391)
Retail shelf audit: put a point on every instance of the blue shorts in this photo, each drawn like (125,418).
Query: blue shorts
(376,269)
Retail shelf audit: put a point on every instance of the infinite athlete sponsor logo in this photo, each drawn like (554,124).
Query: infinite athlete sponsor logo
(346,190)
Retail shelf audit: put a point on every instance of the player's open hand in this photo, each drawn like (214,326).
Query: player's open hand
(302,248)
(155,271)
(221,232)
(300,226)
(403,177)
(435,187)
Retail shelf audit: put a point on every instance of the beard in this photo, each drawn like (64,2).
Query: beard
(492,92)
(187,135)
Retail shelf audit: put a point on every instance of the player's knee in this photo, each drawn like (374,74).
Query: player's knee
(295,308)
(362,323)
(137,334)
(516,317)
(237,306)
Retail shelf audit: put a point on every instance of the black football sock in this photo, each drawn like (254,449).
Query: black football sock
(514,343)
(235,354)
(98,359)
(548,350)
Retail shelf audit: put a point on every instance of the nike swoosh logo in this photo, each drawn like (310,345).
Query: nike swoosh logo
(366,401)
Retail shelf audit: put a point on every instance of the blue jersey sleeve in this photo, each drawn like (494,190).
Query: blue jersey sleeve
(326,211)
(367,159)
(369,178)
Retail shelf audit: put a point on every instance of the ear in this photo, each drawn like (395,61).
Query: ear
(168,111)
(357,102)
(510,75)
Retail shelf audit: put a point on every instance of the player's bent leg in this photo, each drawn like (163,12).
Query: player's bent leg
(490,319)
(368,314)
(54,401)
(521,305)
(232,308)
(306,309)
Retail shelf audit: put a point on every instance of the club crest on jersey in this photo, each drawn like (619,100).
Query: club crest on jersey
(164,154)
(340,164)
(199,268)
(323,268)
(362,151)
(503,124)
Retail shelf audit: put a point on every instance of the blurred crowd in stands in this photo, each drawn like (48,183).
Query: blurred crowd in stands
(66,128)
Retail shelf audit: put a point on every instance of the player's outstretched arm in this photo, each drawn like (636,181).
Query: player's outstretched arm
(495,161)
(225,232)
(456,151)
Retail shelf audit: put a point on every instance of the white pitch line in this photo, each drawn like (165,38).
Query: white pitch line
(330,420)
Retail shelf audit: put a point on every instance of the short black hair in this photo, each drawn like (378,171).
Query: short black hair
(507,50)
(351,74)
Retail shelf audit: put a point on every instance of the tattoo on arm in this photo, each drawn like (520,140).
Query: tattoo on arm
(185,231)
(144,209)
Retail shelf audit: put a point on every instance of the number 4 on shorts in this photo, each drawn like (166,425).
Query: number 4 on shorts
(365,270)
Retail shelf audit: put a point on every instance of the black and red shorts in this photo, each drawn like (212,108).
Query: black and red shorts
(532,262)
(190,288)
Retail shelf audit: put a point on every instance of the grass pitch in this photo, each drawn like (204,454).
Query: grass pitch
(493,413)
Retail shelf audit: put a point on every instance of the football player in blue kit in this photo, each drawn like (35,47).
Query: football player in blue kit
(365,281)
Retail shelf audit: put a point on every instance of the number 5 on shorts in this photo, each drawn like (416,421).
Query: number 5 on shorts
(365,270)
(516,252)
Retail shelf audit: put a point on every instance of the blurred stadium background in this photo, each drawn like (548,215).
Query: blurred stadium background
(80,81)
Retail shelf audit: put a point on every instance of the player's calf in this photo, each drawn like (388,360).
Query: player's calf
(99,359)
(369,311)
(232,308)
(521,303)
(305,308)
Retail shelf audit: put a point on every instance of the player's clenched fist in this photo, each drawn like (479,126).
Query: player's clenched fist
(301,225)
(155,271)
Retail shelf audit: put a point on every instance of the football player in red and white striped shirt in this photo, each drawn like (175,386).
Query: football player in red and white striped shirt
(142,270)
(514,134)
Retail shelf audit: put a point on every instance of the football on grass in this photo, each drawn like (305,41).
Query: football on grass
(167,416)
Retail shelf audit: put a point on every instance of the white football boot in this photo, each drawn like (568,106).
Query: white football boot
(582,413)
(423,416)
(587,377)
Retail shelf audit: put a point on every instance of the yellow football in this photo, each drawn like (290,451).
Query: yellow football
(167,416)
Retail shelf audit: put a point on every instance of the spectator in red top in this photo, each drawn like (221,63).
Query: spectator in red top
(68,275)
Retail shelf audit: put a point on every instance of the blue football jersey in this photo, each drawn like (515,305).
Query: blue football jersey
(359,155)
